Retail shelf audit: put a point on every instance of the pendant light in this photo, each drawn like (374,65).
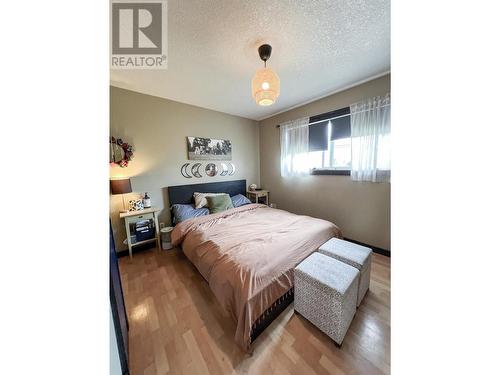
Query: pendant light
(265,83)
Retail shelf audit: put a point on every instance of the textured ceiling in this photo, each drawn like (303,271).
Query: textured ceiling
(319,47)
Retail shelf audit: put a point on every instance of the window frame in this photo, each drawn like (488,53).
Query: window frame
(330,172)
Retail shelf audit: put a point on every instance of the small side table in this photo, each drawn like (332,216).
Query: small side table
(255,195)
(132,217)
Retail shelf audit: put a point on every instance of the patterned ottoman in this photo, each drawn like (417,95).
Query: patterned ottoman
(325,294)
(354,255)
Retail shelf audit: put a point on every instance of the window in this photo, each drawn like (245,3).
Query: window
(330,143)
(352,141)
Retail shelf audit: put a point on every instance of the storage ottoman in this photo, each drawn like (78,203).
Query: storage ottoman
(325,294)
(354,255)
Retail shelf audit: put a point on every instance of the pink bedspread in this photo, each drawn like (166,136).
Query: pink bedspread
(247,255)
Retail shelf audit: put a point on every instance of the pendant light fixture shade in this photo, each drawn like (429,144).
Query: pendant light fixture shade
(265,83)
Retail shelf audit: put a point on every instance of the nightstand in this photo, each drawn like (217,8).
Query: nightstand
(133,217)
(255,196)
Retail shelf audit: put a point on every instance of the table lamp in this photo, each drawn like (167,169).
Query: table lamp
(122,187)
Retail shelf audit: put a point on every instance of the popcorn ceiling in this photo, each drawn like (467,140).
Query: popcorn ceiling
(319,46)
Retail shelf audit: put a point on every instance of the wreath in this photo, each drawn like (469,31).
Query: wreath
(121,160)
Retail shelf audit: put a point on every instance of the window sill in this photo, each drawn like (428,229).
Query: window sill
(331,172)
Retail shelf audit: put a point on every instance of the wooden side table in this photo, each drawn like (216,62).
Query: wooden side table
(254,195)
(132,217)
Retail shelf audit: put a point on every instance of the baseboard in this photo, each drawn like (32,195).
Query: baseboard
(375,249)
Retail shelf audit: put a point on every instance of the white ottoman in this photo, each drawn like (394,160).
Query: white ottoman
(354,255)
(325,294)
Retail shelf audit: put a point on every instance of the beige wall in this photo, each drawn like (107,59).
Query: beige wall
(157,128)
(360,209)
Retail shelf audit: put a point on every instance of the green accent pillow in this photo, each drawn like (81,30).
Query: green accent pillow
(219,203)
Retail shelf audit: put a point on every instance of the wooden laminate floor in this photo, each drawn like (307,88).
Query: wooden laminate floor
(177,327)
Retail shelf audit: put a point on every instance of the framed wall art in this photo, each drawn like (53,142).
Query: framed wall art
(208,149)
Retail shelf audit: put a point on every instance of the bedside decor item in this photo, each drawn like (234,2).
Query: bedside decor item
(120,153)
(208,148)
(224,170)
(195,170)
(135,205)
(121,187)
(146,201)
(184,171)
(252,187)
(265,83)
(211,169)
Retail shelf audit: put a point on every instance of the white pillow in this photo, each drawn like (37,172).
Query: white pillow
(200,199)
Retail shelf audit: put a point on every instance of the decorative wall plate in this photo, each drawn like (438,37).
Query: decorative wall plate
(224,170)
(195,170)
(184,171)
(233,169)
(211,169)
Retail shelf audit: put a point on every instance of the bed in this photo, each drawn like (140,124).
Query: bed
(247,254)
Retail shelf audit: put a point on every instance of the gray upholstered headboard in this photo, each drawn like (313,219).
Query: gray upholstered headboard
(183,194)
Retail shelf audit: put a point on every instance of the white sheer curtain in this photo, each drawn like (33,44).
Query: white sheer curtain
(370,140)
(294,139)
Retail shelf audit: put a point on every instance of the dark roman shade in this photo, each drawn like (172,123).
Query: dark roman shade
(318,131)
(318,136)
(341,128)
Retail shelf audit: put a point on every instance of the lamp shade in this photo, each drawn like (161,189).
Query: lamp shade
(265,86)
(122,186)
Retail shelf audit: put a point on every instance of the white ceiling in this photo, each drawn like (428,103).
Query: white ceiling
(319,47)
